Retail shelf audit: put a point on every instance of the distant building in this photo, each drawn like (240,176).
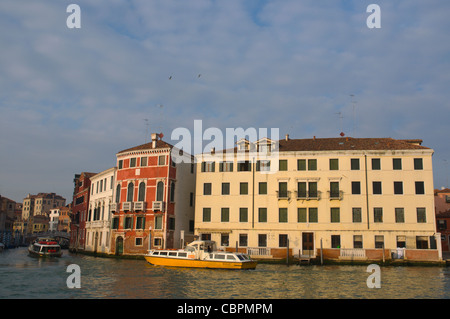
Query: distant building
(153,199)
(81,193)
(443,227)
(342,198)
(41,204)
(7,216)
(98,223)
(442,200)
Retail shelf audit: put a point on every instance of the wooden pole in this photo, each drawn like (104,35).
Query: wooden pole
(287,252)
(321,252)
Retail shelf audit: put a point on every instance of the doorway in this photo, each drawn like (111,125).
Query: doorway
(307,244)
(119,245)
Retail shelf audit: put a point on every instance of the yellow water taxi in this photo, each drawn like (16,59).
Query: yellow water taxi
(200,254)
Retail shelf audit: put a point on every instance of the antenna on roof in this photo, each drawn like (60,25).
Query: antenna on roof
(341,117)
(354,118)
(146,131)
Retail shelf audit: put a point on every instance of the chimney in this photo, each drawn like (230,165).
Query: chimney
(287,137)
(154,139)
(213,150)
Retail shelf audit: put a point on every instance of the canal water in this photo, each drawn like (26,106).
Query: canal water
(22,276)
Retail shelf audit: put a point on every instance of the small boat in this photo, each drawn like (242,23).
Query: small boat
(45,247)
(200,254)
(2,247)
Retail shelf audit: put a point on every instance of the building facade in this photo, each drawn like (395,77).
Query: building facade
(153,199)
(340,198)
(98,224)
(81,193)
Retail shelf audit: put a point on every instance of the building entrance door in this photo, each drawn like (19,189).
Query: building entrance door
(307,244)
(119,246)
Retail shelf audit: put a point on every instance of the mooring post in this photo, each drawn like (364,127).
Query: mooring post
(321,252)
(287,252)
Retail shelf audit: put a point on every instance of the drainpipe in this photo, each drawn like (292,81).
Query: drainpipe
(253,193)
(367,191)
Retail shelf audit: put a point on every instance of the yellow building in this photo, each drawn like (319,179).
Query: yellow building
(343,198)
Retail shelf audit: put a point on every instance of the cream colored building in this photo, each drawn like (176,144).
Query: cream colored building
(362,198)
(98,223)
(41,204)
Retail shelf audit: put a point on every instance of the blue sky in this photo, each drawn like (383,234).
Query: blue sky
(70,99)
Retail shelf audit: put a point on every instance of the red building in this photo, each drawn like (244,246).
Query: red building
(154,199)
(80,206)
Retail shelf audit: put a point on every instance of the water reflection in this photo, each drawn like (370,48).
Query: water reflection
(27,277)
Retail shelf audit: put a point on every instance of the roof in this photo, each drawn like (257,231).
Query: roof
(445,190)
(159,144)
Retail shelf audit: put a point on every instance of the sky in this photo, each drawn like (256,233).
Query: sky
(72,98)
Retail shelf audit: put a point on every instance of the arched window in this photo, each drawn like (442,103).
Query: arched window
(118,193)
(141,196)
(160,191)
(172,191)
(130,192)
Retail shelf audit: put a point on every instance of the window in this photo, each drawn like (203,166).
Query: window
(158,222)
(334,164)
(397,163)
(262,215)
(262,240)
(143,161)
(376,188)
(206,214)
(334,189)
(282,215)
(171,224)
(420,188)
(160,191)
(356,214)
(378,214)
(244,166)
(282,190)
(263,166)
(356,188)
(301,189)
(243,240)
(120,164)
(418,164)
(207,188)
(225,188)
(128,221)
(243,214)
(303,217)
(208,166)
(162,160)
(379,241)
(357,241)
(118,193)
(335,241)
(141,195)
(282,240)
(133,162)
(312,165)
(376,164)
(354,163)
(224,240)
(421,242)
(398,188)
(312,190)
(115,223)
(130,192)
(335,214)
(262,187)
(225,215)
(226,167)
(401,241)
(283,165)
(191,199)
(140,222)
(301,165)
(421,215)
(243,188)
(399,215)
(172,192)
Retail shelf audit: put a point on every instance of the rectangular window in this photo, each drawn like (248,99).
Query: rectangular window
(243,214)
(398,188)
(262,240)
(356,214)
(244,166)
(312,165)
(115,223)
(401,241)
(207,188)
(207,214)
(282,240)
(312,190)
(376,188)
(143,161)
(378,214)
(243,188)
(120,164)
(262,215)
(397,163)
(282,190)
(140,223)
(301,165)
(399,215)
(225,188)
(282,215)
(421,215)
(335,241)
(334,164)
(162,160)
(335,215)
(354,163)
(158,222)
(226,167)
(421,242)
(138,241)
(301,190)
(263,166)
(420,188)
(334,189)
(356,188)
(243,240)
(191,199)
(262,188)
(171,225)
(357,241)
(208,166)
(128,221)
(313,214)
(283,165)
(379,241)
(376,164)
(224,239)
(225,215)
(301,215)
(418,164)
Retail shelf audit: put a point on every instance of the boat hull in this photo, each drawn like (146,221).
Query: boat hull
(195,263)
(43,254)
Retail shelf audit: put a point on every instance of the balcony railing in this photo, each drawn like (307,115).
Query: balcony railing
(258,251)
(339,195)
(127,206)
(310,195)
(140,206)
(283,194)
(158,206)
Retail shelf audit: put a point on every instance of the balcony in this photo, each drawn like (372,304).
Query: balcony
(127,206)
(283,194)
(337,195)
(114,207)
(158,206)
(310,195)
(140,206)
